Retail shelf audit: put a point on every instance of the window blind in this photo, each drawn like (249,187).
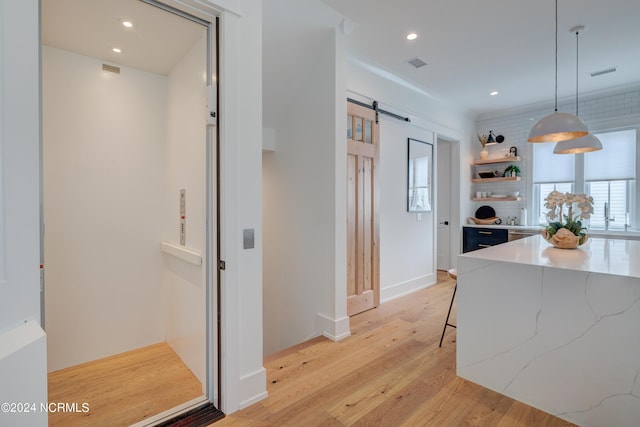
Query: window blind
(549,167)
(616,160)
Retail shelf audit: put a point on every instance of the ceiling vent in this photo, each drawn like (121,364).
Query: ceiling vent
(111,68)
(601,72)
(416,62)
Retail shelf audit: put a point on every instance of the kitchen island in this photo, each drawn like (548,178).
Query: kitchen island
(556,329)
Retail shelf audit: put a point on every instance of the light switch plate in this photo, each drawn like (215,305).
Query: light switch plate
(248,238)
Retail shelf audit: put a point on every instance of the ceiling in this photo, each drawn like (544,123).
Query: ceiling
(475,47)
(471,47)
(156,42)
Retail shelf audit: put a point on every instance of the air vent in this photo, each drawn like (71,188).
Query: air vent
(111,68)
(601,72)
(416,62)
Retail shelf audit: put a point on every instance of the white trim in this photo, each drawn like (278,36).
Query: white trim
(3,234)
(251,382)
(182,253)
(334,329)
(405,288)
(205,8)
(240,127)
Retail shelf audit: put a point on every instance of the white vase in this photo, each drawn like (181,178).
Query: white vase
(484,154)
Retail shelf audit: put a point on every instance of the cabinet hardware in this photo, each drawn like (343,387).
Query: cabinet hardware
(484,246)
(485,232)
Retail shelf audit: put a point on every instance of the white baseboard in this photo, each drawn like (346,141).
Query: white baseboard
(253,385)
(23,369)
(404,288)
(334,329)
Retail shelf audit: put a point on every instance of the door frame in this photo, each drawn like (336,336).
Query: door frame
(454,203)
(445,168)
(209,17)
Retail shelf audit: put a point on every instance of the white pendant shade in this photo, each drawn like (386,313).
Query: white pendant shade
(558,127)
(584,144)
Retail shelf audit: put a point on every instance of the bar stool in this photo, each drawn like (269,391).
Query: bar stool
(453,273)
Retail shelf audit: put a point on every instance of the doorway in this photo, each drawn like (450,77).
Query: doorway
(447,185)
(127,196)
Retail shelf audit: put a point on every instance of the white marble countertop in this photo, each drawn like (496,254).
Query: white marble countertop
(600,255)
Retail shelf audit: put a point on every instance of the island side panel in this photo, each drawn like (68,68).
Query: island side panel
(564,341)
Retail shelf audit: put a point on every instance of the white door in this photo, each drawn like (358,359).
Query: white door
(20,211)
(443,261)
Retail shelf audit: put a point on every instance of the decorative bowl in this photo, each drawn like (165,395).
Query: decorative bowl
(488,174)
(565,239)
(487,221)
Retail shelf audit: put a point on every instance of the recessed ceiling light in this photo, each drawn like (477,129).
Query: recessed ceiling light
(412,36)
(127,24)
(117,50)
(494,93)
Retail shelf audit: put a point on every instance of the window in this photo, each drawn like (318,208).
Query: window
(550,172)
(542,190)
(608,175)
(611,207)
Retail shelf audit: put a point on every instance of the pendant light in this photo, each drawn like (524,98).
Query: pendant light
(583,144)
(557,126)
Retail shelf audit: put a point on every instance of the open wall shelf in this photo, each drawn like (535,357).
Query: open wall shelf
(497,179)
(497,199)
(498,160)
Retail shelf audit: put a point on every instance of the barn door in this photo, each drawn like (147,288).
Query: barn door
(363,251)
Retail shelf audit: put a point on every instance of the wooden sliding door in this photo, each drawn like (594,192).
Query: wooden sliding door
(363,231)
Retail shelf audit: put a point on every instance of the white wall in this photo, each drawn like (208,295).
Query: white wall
(407,246)
(19,155)
(103,154)
(299,183)
(22,342)
(185,160)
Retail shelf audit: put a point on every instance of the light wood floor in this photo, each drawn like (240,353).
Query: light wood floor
(390,372)
(123,389)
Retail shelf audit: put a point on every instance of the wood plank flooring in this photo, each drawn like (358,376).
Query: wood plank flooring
(390,372)
(123,389)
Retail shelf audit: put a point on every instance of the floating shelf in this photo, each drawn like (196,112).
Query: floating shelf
(497,199)
(498,160)
(497,179)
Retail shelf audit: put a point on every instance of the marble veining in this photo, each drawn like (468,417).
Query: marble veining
(586,331)
(518,345)
(563,340)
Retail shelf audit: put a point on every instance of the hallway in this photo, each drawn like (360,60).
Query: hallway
(390,372)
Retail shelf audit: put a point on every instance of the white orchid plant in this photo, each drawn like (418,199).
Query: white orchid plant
(557,202)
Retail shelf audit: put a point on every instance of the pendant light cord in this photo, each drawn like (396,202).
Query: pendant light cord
(556,93)
(577,62)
